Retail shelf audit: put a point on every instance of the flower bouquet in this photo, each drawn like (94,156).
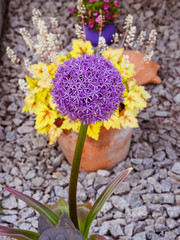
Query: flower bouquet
(62,125)
(97,18)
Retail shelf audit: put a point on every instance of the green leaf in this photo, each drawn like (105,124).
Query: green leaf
(102,199)
(59,207)
(18,234)
(97,237)
(42,209)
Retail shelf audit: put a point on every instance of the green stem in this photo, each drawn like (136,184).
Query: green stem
(75,173)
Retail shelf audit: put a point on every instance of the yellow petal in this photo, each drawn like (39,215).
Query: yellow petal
(54,133)
(113,122)
(44,117)
(94,129)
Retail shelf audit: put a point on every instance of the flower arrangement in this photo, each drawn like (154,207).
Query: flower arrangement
(95,13)
(81,91)
(38,84)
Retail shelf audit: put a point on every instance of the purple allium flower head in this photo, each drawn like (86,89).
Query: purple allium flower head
(87,88)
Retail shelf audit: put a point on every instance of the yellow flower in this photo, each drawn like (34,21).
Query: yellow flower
(81,48)
(54,133)
(113,55)
(45,82)
(128,119)
(126,68)
(142,92)
(45,116)
(132,100)
(43,130)
(113,122)
(39,70)
(31,82)
(94,129)
(69,124)
(30,103)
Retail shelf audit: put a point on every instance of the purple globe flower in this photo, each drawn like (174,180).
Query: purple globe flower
(87,88)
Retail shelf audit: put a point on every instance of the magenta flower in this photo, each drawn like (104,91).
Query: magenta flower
(90,24)
(72,10)
(117,4)
(106,0)
(106,6)
(91,0)
(107,16)
(87,88)
(95,14)
(98,20)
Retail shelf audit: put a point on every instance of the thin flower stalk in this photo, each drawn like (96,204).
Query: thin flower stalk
(75,173)
(127,24)
(54,24)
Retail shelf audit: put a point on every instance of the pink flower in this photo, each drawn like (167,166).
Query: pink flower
(91,0)
(98,20)
(107,16)
(93,20)
(90,24)
(106,0)
(117,4)
(106,6)
(72,10)
(95,14)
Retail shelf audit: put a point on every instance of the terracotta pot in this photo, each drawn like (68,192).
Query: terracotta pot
(145,72)
(111,148)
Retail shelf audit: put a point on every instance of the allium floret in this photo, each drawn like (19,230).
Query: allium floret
(87,88)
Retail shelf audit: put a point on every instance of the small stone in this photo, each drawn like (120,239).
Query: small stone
(159,156)
(170,236)
(10,203)
(157,186)
(166,185)
(139,213)
(123,188)
(15,171)
(115,228)
(25,129)
(104,228)
(176,168)
(12,107)
(171,153)
(119,203)
(153,138)
(103,173)
(37,181)
(173,212)
(161,114)
(146,173)
(177,98)
(106,207)
(163,198)
(25,226)
(39,142)
(140,236)
(171,223)
(129,229)
(9,218)
(149,14)
(30,175)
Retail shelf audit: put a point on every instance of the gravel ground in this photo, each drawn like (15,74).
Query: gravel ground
(147,204)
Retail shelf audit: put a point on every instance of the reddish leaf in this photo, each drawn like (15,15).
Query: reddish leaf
(18,234)
(97,237)
(42,209)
